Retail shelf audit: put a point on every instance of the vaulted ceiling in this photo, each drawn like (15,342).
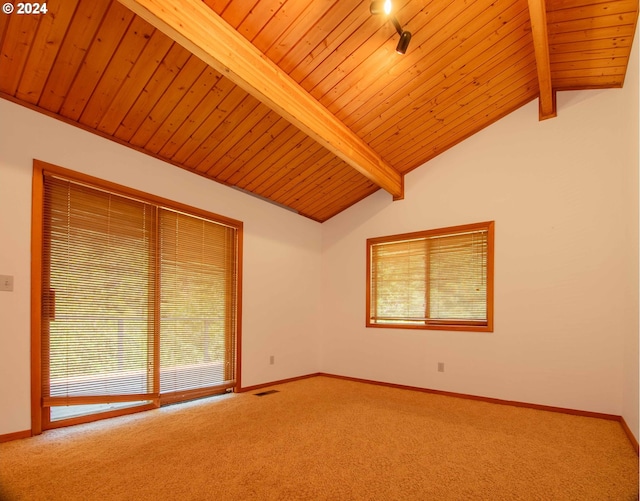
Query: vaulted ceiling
(306,103)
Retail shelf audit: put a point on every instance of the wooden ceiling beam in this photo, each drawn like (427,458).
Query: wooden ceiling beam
(538,15)
(200,30)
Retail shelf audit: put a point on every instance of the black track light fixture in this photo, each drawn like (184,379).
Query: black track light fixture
(403,43)
(386,7)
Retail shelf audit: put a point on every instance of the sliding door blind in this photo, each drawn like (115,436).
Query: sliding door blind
(97,296)
(198,304)
(433,278)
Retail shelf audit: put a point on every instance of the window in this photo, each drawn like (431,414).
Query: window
(437,279)
(137,302)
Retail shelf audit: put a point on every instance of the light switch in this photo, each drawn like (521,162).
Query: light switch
(6,283)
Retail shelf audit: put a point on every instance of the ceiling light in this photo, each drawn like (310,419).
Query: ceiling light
(385,7)
(381,7)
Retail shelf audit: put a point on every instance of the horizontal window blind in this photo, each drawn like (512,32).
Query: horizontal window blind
(96,295)
(398,281)
(458,277)
(433,278)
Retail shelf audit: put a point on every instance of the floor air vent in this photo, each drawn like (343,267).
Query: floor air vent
(263,393)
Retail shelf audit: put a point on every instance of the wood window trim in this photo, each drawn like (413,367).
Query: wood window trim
(37,226)
(459,325)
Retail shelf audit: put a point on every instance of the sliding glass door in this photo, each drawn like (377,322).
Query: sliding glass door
(97,341)
(138,302)
(197,306)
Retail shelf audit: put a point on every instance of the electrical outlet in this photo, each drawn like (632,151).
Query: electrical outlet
(6,283)
(272,360)
(440,366)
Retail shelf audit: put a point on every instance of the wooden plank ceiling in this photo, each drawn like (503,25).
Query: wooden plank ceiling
(97,65)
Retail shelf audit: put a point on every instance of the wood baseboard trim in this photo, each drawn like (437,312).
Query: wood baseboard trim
(273,383)
(514,403)
(630,435)
(8,437)
(563,410)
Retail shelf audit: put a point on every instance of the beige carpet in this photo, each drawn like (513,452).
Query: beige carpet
(327,439)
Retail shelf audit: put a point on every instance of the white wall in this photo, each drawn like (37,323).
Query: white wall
(282,252)
(563,193)
(564,196)
(631,388)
